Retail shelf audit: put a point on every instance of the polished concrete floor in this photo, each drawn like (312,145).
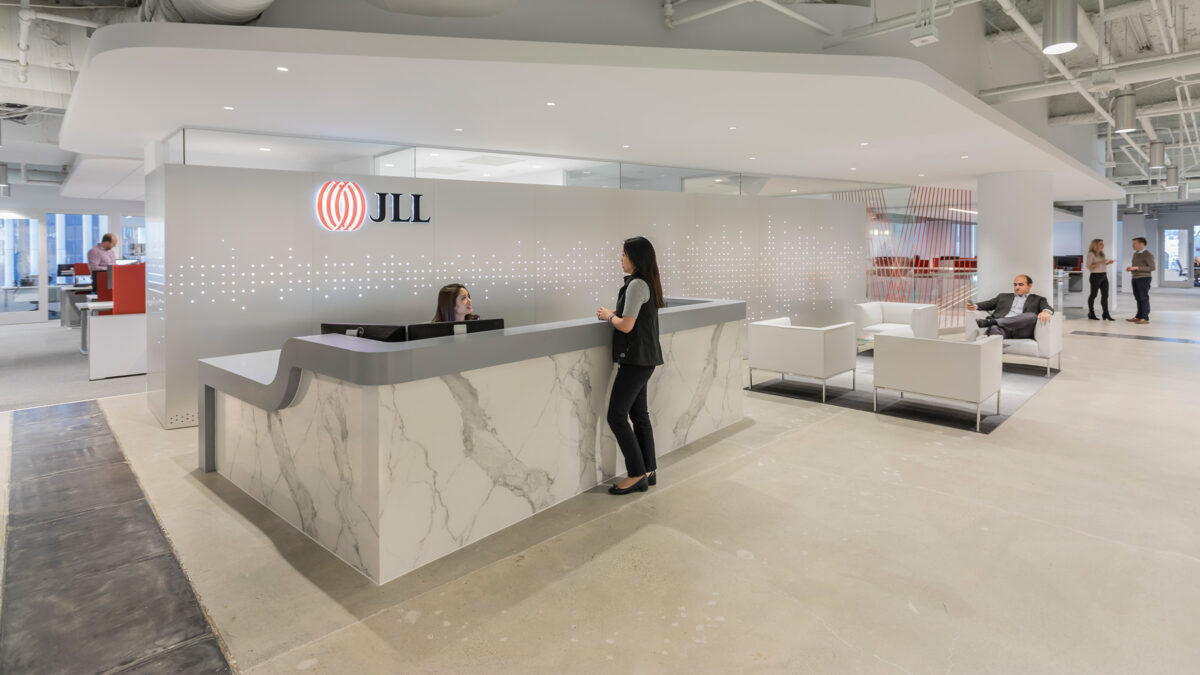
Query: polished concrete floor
(40,364)
(809,538)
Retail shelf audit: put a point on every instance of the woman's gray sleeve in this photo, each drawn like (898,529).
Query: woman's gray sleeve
(636,295)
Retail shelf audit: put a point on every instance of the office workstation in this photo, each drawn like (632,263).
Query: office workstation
(113,324)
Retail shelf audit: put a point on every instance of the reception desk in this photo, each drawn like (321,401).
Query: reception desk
(392,455)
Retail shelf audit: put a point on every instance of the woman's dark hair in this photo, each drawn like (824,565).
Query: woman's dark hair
(447,299)
(645,264)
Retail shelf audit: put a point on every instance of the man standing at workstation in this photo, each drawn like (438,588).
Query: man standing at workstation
(102,256)
(1142,266)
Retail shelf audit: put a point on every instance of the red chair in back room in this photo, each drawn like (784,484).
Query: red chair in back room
(129,289)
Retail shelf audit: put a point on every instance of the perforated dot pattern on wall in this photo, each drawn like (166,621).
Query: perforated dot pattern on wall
(231,288)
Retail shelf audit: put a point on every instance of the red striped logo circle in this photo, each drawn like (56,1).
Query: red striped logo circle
(341,206)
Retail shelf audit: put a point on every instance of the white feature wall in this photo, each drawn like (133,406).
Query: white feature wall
(238,263)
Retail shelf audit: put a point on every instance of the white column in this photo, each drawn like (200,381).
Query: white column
(1015,233)
(1100,222)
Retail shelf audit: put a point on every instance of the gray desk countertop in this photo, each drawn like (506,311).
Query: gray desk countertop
(269,379)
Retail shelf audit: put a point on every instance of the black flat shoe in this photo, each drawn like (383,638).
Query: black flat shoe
(985,322)
(652,478)
(640,486)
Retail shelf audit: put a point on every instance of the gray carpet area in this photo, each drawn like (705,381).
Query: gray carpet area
(91,584)
(40,364)
(1017,385)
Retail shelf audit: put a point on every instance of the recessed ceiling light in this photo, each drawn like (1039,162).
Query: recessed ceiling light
(229,107)
(537,166)
(733,128)
(282,69)
(920,175)
(716,180)
(264,149)
(963,157)
(487,175)
(795,190)
(625,146)
(864,144)
(853,169)
(551,103)
(753,158)
(389,165)
(458,129)
(435,154)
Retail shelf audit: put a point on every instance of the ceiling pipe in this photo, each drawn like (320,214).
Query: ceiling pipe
(1033,35)
(903,22)
(1126,73)
(1126,11)
(25,18)
(1089,36)
(672,22)
(786,11)
(1158,23)
(1164,109)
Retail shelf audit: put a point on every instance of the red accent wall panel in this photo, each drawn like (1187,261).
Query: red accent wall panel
(129,289)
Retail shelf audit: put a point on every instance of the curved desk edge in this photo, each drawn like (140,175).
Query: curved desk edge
(371,363)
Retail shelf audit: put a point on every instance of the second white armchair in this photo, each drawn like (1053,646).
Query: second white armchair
(820,353)
(897,318)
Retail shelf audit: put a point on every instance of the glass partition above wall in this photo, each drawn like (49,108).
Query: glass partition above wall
(264,151)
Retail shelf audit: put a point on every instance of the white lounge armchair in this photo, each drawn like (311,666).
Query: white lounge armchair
(820,353)
(1045,345)
(897,318)
(961,371)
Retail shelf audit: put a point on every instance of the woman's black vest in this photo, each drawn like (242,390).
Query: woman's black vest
(638,347)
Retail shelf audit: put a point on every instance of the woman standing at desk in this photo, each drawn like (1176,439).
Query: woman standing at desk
(454,304)
(1097,264)
(636,351)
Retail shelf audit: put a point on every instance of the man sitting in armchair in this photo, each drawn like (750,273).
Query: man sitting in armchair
(1015,314)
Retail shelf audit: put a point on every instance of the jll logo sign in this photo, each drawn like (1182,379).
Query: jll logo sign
(342,207)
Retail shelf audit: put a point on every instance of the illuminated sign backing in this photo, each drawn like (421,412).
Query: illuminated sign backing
(342,207)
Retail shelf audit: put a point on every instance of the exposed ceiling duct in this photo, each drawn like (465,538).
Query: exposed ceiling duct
(230,12)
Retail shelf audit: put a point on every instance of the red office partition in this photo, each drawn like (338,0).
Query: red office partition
(129,289)
(82,270)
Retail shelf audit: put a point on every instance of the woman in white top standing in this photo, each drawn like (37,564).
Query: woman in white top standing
(1097,263)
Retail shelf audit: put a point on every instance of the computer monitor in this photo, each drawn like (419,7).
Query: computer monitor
(66,270)
(366,330)
(420,331)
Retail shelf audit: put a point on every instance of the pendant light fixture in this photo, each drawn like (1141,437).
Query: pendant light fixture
(1172,178)
(5,188)
(1157,155)
(1125,112)
(1060,27)
(1130,201)
(1183,191)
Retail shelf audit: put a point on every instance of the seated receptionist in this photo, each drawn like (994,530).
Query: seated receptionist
(454,304)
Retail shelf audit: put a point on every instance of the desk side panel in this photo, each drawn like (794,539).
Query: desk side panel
(309,464)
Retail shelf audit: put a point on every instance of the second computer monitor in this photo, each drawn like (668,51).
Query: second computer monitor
(420,331)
